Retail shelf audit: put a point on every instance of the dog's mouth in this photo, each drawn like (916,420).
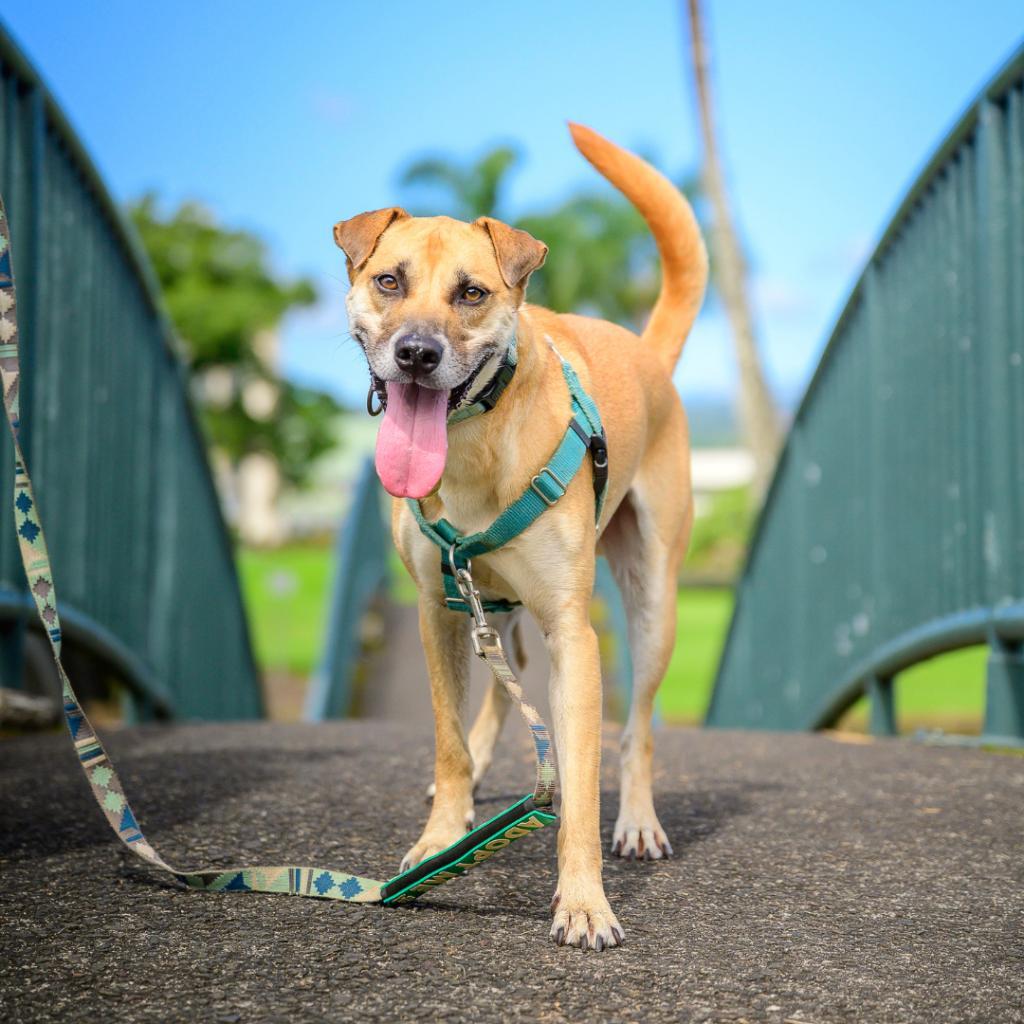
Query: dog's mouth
(412,443)
(456,395)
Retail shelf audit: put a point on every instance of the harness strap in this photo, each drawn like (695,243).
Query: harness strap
(521,819)
(584,434)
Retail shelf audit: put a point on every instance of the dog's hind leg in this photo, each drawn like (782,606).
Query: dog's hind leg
(644,544)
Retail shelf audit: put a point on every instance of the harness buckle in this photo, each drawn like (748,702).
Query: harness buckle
(542,488)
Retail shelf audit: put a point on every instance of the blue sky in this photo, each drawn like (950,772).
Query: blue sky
(284,118)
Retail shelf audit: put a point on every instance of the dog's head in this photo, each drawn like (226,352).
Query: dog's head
(433,304)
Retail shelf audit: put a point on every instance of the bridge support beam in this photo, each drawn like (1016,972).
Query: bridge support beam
(881,699)
(1004,695)
(12,654)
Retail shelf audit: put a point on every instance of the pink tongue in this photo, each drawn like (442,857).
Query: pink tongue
(413,440)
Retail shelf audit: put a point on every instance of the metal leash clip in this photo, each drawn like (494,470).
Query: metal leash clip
(482,630)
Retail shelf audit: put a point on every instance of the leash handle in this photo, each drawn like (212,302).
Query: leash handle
(523,818)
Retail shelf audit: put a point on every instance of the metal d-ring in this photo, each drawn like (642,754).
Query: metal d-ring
(455,567)
(369,402)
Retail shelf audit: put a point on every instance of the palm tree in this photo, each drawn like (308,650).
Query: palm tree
(467,191)
(759,417)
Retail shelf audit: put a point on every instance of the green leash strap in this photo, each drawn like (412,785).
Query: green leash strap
(521,819)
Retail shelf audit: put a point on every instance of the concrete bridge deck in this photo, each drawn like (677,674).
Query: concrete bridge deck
(813,881)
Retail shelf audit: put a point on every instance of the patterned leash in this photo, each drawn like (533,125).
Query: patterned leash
(524,817)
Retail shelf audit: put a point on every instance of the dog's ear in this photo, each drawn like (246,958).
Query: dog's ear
(359,235)
(519,253)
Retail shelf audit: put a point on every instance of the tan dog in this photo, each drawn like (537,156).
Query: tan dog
(435,303)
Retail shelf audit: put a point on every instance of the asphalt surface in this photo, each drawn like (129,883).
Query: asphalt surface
(813,881)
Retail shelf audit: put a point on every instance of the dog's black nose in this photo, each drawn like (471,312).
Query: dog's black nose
(418,354)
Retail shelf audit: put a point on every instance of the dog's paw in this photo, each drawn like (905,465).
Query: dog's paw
(433,841)
(589,924)
(640,838)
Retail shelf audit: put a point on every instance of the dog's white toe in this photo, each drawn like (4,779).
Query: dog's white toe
(590,925)
(640,840)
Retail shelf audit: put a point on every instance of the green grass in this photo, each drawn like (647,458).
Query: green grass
(702,617)
(947,692)
(287,591)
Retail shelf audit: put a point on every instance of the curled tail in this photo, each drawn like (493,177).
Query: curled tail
(684,259)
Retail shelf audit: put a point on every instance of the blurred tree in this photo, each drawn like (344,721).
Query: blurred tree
(226,304)
(465,191)
(602,259)
(759,415)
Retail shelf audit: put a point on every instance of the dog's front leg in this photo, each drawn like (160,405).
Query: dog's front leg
(582,916)
(445,642)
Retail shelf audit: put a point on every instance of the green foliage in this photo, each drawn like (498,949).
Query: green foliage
(302,427)
(719,539)
(221,296)
(601,261)
(216,283)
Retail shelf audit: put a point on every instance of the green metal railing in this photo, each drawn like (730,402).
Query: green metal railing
(360,577)
(894,527)
(143,562)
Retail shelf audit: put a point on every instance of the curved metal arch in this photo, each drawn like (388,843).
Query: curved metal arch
(966,206)
(159,630)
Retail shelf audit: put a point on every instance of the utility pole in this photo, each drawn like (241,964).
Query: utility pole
(758,414)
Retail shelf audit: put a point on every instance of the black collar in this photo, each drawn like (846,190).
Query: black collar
(484,402)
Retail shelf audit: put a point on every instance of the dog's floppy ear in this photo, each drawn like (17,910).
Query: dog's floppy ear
(359,235)
(519,253)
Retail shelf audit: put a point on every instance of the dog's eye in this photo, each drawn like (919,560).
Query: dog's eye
(473,295)
(387,282)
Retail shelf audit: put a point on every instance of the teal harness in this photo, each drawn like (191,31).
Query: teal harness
(584,434)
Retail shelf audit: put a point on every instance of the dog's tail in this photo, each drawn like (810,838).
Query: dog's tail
(684,259)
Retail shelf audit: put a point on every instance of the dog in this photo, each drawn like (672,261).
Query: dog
(435,304)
